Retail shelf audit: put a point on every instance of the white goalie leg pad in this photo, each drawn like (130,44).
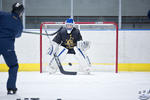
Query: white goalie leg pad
(52,68)
(84,62)
(84,45)
(61,53)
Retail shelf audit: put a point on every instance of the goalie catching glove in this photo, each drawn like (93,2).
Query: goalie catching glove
(83,45)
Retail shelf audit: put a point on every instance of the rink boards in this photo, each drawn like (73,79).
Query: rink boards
(133,50)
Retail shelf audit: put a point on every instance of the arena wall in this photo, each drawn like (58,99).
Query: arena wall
(134,50)
(81,7)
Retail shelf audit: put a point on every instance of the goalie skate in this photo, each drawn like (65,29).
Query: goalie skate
(52,69)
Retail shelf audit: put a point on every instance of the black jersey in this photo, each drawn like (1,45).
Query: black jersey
(68,40)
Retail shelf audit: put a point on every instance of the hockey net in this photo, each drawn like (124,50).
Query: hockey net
(103,52)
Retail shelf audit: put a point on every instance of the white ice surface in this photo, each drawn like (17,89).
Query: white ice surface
(98,86)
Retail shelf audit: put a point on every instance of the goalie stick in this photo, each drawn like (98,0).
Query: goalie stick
(58,61)
(61,68)
(44,33)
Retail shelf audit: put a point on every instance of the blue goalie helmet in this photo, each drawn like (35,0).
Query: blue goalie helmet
(69,21)
(69,25)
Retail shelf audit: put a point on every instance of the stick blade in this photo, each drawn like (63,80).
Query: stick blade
(61,68)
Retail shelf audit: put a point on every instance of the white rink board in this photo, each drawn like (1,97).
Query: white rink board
(133,47)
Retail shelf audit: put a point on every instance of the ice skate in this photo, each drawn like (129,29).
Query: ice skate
(11,91)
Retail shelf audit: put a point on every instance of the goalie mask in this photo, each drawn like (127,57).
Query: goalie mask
(18,9)
(69,25)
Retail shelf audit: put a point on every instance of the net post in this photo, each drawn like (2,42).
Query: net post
(41,47)
(117,34)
